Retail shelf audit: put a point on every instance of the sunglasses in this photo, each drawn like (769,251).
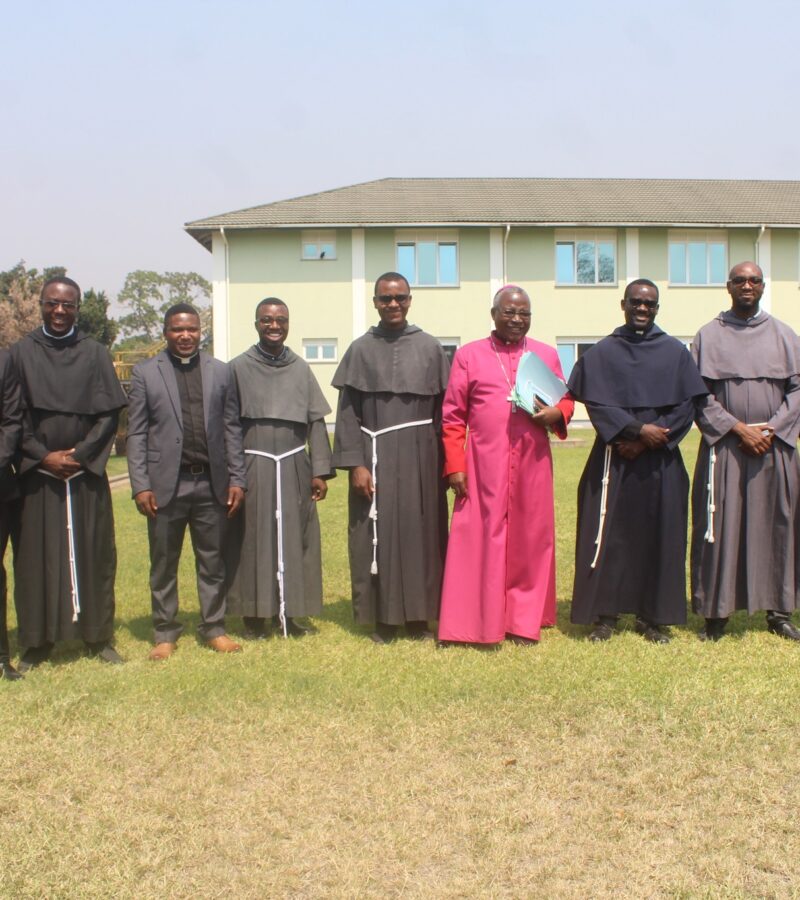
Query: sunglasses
(739,280)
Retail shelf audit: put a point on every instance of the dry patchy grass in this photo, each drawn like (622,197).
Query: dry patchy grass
(331,767)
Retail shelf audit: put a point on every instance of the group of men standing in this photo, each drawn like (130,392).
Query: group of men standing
(203,436)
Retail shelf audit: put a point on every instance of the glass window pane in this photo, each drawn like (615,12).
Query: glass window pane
(328,351)
(697,263)
(716,264)
(677,263)
(585,267)
(311,351)
(426,262)
(327,251)
(309,251)
(448,264)
(565,264)
(566,353)
(605,262)
(407,262)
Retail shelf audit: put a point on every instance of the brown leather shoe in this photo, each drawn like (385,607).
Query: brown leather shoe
(162,651)
(223,644)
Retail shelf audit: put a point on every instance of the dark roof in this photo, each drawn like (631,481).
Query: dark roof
(525,201)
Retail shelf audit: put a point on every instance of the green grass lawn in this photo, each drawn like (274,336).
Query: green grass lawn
(329,766)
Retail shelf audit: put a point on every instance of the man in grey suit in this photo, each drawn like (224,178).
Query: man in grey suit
(186,465)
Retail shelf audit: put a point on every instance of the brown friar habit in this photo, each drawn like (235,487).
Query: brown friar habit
(388,378)
(282,408)
(626,380)
(746,509)
(72,398)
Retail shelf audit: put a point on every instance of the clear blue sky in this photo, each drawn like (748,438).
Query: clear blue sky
(123,121)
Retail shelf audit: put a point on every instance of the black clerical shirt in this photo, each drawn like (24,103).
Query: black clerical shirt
(190,389)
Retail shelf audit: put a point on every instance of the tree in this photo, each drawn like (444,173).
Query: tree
(148,295)
(93,317)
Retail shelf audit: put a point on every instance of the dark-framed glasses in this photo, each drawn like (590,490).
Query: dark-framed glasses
(635,304)
(68,306)
(514,313)
(386,299)
(739,280)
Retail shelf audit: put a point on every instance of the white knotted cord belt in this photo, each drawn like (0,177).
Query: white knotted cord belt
(710,505)
(73,563)
(373,510)
(276,458)
(603,504)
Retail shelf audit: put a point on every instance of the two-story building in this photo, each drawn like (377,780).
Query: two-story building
(573,244)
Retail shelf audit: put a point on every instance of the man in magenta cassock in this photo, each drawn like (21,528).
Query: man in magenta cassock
(499,580)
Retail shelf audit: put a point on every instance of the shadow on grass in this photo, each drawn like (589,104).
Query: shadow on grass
(141,627)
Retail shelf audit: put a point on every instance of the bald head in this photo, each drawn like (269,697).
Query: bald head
(745,268)
(510,292)
(746,287)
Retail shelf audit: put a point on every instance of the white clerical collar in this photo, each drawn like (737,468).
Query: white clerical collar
(59,337)
(184,360)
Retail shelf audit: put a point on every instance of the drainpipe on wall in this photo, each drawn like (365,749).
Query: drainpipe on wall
(505,254)
(221,317)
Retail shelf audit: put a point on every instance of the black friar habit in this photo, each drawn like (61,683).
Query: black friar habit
(388,378)
(626,380)
(282,408)
(72,398)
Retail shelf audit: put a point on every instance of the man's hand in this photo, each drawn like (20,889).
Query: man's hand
(548,416)
(458,483)
(654,437)
(319,489)
(629,449)
(752,439)
(146,504)
(61,463)
(361,480)
(235,500)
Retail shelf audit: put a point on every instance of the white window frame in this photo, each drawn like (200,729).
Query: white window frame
(574,341)
(317,236)
(319,343)
(450,342)
(705,236)
(405,237)
(572,236)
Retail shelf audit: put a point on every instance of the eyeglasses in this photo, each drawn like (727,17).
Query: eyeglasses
(635,304)
(386,299)
(51,305)
(739,280)
(273,320)
(514,313)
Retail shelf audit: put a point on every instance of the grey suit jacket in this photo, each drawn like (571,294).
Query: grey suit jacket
(155,428)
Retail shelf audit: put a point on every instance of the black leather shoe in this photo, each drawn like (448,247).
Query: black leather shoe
(521,641)
(255,628)
(383,634)
(651,632)
(33,657)
(105,653)
(713,630)
(602,631)
(8,672)
(783,628)
(419,631)
(297,629)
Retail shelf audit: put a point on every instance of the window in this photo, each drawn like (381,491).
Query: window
(586,258)
(320,350)
(318,245)
(569,351)
(450,345)
(698,257)
(428,258)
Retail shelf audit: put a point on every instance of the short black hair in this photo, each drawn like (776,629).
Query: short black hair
(271,301)
(389,276)
(642,281)
(178,308)
(61,279)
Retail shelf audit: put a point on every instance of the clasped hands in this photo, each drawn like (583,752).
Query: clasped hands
(651,437)
(754,440)
(61,463)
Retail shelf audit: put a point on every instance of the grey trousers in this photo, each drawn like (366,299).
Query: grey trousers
(194,505)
